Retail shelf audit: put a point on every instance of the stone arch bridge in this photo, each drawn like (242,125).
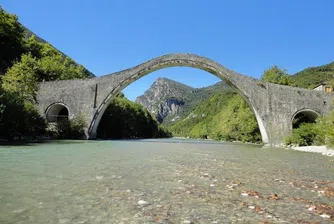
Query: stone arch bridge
(274,105)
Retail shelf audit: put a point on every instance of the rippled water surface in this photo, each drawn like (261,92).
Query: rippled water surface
(182,182)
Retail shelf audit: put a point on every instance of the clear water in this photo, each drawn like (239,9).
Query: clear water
(102,182)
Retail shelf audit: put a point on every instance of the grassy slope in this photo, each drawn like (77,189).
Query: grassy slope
(310,77)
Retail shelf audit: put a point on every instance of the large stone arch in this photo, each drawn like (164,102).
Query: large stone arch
(273,105)
(242,84)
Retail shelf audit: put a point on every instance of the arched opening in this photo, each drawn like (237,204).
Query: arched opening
(240,84)
(304,116)
(57,112)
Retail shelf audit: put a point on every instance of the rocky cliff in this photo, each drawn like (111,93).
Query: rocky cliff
(165,97)
(168,100)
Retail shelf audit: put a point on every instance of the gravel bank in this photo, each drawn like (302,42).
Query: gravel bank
(318,149)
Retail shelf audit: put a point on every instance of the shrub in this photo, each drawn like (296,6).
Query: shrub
(20,119)
(70,129)
(325,128)
(126,119)
(305,135)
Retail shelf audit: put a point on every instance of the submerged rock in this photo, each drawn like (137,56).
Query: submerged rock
(99,177)
(273,197)
(205,175)
(143,203)
(325,216)
(251,193)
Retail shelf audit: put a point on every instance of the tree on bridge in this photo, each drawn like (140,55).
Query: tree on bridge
(277,75)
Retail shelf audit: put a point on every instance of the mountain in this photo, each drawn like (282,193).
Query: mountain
(168,100)
(215,112)
(312,76)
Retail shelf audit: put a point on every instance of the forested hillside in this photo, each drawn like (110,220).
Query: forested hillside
(214,112)
(224,116)
(307,78)
(310,77)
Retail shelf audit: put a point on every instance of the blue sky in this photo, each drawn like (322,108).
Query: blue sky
(246,36)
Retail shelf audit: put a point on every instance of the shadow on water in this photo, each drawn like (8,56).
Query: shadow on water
(149,140)
(38,142)
(180,140)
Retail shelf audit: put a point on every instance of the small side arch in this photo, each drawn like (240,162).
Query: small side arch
(304,116)
(56,112)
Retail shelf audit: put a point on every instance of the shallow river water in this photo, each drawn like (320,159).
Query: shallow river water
(180,181)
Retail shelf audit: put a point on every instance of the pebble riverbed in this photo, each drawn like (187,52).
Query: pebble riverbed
(163,181)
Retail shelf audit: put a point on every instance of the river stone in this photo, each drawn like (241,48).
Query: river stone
(142,202)
(325,216)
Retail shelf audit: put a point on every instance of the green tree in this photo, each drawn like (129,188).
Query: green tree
(319,133)
(19,117)
(304,135)
(69,129)
(23,63)
(325,129)
(224,116)
(310,77)
(126,119)
(11,39)
(277,76)
(21,78)
(236,122)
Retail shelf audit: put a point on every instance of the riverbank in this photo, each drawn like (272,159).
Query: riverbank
(316,149)
(210,139)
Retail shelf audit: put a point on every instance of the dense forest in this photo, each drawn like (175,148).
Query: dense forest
(131,120)
(224,116)
(26,60)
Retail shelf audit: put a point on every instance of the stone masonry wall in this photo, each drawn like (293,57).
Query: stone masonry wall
(273,105)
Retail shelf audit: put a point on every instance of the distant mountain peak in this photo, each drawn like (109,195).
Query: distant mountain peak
(167,98)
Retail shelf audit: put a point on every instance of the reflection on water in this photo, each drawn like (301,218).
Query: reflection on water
(162,181)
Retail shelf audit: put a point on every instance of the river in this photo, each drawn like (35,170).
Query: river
(163,181)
